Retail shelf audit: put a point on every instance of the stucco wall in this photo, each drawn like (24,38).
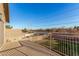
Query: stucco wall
(2,24)
(2,11)
(1,33)
(3,20)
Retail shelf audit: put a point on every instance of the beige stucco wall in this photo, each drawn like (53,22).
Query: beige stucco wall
(2,25)
(1,33)
(2,11)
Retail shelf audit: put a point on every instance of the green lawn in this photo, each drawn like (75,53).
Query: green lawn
(65,47)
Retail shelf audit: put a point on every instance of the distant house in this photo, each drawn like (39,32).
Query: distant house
(4,18)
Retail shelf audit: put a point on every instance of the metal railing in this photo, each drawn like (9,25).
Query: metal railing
(65,43)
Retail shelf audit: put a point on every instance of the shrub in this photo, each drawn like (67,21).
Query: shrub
(24,30)
(9,27)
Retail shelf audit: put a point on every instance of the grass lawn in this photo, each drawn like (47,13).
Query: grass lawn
(65,47)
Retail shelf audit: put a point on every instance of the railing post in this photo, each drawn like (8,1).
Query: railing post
(50,37)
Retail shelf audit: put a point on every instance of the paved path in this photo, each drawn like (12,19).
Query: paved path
(28,48)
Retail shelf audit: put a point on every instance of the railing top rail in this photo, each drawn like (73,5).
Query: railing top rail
(68,36)
(65,33)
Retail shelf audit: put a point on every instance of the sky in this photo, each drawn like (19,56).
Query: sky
(43,15)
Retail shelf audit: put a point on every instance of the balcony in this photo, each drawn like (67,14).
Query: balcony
(66,44)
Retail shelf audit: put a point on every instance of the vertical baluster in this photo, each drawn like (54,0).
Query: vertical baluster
(73,45)
(67,45)
(50,41)
(50,35)
(59,43)
(70,46)
(63,45)
(76,46)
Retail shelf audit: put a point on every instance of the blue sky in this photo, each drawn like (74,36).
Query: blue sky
(43,15)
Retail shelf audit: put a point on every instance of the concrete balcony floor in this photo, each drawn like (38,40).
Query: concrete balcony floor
(28,48)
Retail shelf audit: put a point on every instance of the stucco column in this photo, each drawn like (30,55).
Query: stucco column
(4,14)
(1,33)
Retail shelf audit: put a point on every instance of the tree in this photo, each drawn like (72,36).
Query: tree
(48,30)
(9,27)
(24,30)
(76,27)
